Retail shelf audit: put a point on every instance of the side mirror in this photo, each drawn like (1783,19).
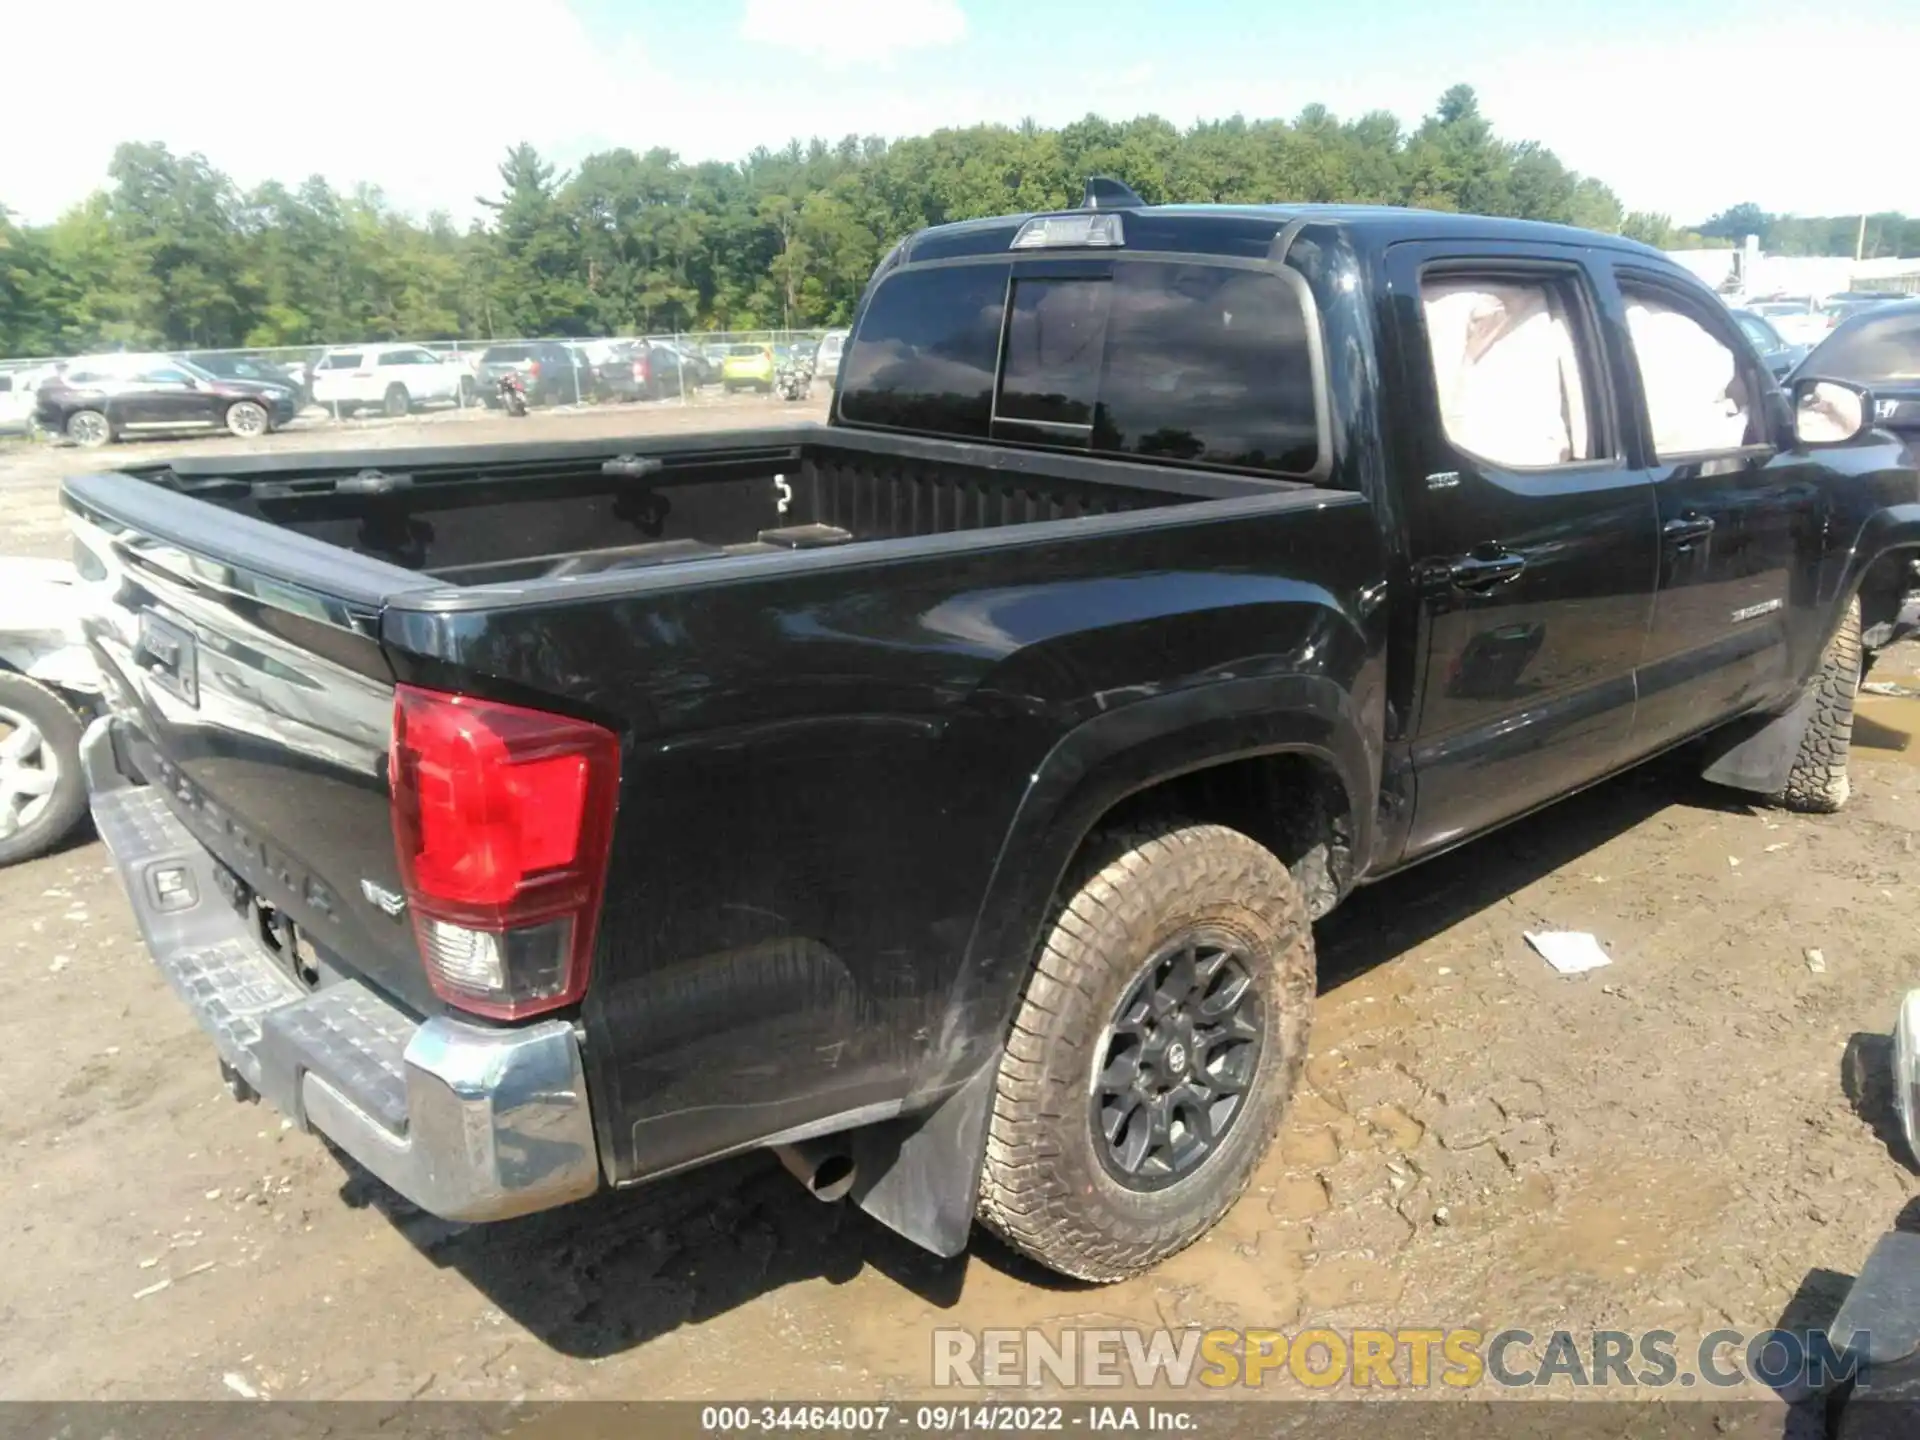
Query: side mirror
(1829,412)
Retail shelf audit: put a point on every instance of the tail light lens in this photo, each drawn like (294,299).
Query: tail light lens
(502,819)
(640,370)
(533,369)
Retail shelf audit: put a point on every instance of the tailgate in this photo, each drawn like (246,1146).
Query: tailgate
(242,666)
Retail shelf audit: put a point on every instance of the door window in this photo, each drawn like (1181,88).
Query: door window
(1700,398)
(1507,363)
(163,375)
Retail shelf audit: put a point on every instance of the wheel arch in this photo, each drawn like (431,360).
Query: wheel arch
(1282,758)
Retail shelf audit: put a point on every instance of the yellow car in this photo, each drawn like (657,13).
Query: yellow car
(747,367)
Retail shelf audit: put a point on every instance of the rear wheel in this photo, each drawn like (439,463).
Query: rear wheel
(397,401)
(42,791)
(247,419)
(88,428)
(1818,781)
(1161,1033)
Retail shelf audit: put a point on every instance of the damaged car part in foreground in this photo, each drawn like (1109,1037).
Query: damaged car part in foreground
(49,689)
(942,797)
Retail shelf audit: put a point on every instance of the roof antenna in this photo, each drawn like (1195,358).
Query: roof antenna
(1103,192)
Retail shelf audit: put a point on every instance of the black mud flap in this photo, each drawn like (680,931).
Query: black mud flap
(920,1176)
(1757,754)
(1878,1328)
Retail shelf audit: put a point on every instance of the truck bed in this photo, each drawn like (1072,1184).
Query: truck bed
(511,514)
(906,641)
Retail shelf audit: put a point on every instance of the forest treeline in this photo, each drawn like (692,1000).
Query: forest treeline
(172,253)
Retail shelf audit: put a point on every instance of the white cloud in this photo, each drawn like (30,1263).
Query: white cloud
(841,33)
(420,97)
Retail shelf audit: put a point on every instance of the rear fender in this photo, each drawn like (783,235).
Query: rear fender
(920,1175)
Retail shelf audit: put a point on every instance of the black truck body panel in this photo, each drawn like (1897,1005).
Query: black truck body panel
(873,689)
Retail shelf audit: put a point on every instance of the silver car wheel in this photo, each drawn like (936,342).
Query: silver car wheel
(29,770)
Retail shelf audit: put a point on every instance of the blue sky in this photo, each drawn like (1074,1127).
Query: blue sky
(1684,107)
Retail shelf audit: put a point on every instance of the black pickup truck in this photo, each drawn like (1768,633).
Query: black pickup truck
(943,797)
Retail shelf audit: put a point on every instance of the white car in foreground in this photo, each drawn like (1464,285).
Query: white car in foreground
(392,379)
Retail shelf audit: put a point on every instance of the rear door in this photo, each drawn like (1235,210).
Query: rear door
(1530,527)
(1735,508)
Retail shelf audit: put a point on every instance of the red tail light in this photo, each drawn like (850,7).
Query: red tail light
(640,370)
(533,369)
(502,819)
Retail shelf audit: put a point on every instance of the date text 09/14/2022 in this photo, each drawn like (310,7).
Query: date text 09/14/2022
(942,1419)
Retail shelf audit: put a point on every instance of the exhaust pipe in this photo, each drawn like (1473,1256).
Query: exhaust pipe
(825,1167)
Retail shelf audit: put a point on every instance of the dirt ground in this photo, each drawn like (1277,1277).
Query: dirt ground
(1681,1140)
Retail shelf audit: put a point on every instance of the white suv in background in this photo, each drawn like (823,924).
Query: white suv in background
(826,361)
(389,378)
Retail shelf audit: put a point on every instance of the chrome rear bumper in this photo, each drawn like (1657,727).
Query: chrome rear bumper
(467,1122)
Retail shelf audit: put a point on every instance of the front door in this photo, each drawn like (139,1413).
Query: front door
(1736,507)
(163,396)
(1531,534)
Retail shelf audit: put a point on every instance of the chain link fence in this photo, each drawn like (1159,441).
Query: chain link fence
(340,381)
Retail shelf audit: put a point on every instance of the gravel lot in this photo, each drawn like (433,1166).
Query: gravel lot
(1669,1142)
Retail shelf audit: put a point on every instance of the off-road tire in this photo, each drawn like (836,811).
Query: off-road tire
(1818,783)
(60,731)
(1043,1187)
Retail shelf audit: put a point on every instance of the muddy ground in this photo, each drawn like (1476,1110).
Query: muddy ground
(1672,1142)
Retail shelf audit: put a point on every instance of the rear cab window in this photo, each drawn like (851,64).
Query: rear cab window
(1200,363)
(340,360)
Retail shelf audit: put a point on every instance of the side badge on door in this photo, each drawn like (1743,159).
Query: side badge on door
(1443,480)
(1754,612)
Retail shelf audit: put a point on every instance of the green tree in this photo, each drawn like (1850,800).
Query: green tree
(170,253)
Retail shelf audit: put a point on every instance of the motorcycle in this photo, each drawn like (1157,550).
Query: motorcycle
(513,394)
(794,378)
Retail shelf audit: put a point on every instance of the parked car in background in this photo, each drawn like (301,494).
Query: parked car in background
(826,363)
(1799,319)
(1850,303)
(695,368)
(553,373)
(748,367)
(392,379)
(1878,348)
(1780,354)
(638,370)
(232,365)
(16,401)
(99,398)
